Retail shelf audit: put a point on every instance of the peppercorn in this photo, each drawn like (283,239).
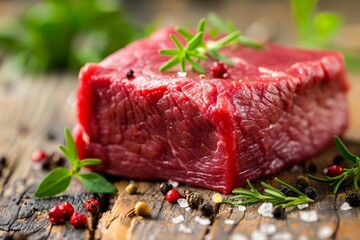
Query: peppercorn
(219,70)
(38,155)
(67,209)
(353,199)
(279,212)
(56,215)
(92,205)
(3,161)
(78,220)
(300,188)
(338,159)
(311,193)
(131,188)
(303,182)
(287,192)
(165,187)
(142,209)
(194,199)
(207,209)
(334,170)
(311,167)
(130,74)
(172,196)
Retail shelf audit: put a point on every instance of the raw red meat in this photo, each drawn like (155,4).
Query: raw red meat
(276,108)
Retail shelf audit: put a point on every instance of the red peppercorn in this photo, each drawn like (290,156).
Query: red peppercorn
(172,196)
(92,205)
(56,215)
(38,155)
(219,70)
(67,209)
(334,170)
(78,220)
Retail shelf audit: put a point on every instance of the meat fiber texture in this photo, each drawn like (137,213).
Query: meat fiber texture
(277,107)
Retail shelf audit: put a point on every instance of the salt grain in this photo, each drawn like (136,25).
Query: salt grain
(302,206)
(238,236)
(266,210)
(268,228)
(229,222)
(242,208)
(257,235)
(178,219)
(182,74)
(325,171)
(174,183)
(185,229)
(325,232)
(188,209)
(208,237)
(202,220)
(183,203)
(282,236)
(345,207)
(309,216)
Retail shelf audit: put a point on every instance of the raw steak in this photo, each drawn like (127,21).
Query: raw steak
(278,107)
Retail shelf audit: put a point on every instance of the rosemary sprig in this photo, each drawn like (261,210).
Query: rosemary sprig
(271,195)
(196,48)
(349,175)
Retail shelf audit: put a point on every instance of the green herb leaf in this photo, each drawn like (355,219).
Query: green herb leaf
(344,151)
(72,150)
(95,183)
(89,161)
(57,181)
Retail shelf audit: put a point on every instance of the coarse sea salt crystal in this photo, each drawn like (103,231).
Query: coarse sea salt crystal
(208,237)
(181,74)
(302,206)
(282,236)
(325,232)
(183,203)
(265,210)
(309,216)
(238,236)
(268,228)
(202,220)
(257,235)
(178,219)
(174,183)
(185,229)
(188,209)
(345,206)
(242,208)
(229,221)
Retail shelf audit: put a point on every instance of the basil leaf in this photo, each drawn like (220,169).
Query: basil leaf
(57,181)
(73,153)
(95,183)
(90,161)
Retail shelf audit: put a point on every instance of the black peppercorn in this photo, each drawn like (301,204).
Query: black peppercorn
(165,187)
(353,199)
(207,209)
(279,212)
(311,167)
(194,199)
(303,182)
(287,192)
(338,159)
(3,161)
(130,74)
(310,192)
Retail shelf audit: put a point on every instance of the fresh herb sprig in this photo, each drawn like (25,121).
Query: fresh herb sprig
(196,48)
(59,179)
(349,175)
(271,195)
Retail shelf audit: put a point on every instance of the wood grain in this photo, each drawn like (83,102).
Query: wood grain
(33,113)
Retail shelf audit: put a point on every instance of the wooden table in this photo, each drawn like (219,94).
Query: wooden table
(33,113)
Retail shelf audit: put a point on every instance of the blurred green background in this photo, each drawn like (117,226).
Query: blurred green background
(49,35)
